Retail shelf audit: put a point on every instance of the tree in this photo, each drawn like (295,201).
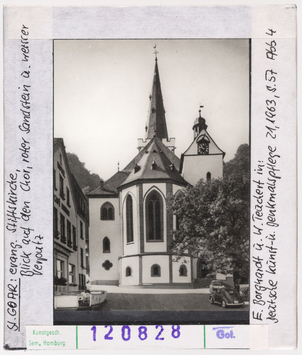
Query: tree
(213,218)
(83,177)
(239,166)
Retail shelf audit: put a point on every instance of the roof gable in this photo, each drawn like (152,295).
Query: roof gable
(213,147)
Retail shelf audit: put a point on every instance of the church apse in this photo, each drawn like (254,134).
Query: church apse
(141,231)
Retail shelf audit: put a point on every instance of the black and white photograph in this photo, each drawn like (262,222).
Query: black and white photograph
(152,178)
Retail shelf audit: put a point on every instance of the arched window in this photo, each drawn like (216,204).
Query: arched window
(104,213)
(208,176)
(110,213)
(154,217)
(106,245)
(107,212)
(183,270)
(155,270)
(129,219)
(128,271)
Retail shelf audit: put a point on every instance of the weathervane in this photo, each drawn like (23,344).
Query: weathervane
(155,52)
(200,107)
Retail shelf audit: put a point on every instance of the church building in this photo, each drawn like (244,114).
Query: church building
(129,227)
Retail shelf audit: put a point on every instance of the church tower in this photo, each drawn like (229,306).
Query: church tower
(131,230)
(156,126)
(203,159)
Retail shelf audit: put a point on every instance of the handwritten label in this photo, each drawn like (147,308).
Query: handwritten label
(264,206)
(26,253)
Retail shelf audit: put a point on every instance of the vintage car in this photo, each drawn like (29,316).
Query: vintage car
(91,298)
(224,294)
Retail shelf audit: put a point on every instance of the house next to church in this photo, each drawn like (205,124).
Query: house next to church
(129,227)
(70,219)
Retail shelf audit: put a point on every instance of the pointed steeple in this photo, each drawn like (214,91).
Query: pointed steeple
(157,126)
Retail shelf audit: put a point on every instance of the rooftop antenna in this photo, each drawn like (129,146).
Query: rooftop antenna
(118,166)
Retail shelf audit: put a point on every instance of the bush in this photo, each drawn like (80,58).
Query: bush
(60,281)
(245,293)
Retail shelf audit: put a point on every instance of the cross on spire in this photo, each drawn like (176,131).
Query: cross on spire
(155,52)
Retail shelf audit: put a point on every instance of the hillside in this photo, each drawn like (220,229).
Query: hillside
(83,176)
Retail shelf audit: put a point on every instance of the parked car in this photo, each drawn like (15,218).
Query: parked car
(224,294)
(92,298)
(217,284)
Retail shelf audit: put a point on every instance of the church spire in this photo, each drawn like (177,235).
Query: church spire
(157,126)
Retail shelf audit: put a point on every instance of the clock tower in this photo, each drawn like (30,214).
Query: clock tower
(203,159)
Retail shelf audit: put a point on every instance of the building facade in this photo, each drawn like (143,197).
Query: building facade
(70,217)
(131,231)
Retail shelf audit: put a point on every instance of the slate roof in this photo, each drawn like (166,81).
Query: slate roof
(167,167)
(156,162)
(157,121)
(110,186)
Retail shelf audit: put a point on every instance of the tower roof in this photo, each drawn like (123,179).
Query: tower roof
(154,162)
(157,126)
(200,122)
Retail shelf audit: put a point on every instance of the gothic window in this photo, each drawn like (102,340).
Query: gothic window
(107,212)
(110,213)
(154,217)
(104,214)
(129,219)
(183,270)
(208,176)
(128,271)
(106,245)
(155,270)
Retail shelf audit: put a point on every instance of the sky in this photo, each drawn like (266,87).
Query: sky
(102,88)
